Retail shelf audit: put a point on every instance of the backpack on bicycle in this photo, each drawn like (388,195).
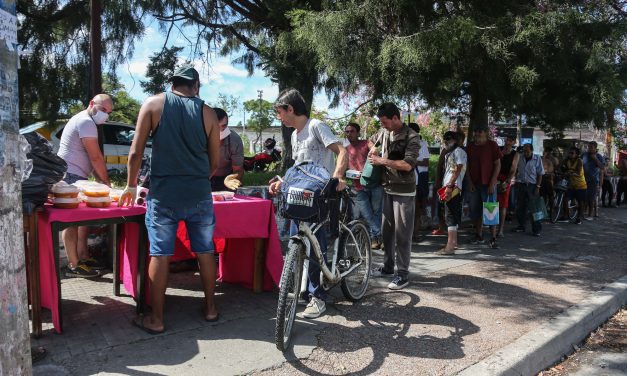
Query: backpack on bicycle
(302,192)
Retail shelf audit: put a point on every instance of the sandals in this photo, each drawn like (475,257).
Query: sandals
(444,251)
(139,322)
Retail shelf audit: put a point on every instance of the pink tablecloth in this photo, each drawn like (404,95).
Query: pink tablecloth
(47,270)
(240,221)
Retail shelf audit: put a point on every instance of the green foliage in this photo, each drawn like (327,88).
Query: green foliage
(54,71)
(557,62)
(229,103)
(258,178)
(261,118)
(160,68)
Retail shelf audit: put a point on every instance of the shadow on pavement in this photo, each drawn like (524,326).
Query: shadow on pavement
(386,327)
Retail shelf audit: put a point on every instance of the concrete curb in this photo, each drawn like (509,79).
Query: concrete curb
(545,345)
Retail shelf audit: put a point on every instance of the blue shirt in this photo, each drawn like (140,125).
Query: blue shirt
(590,168)
(528,171)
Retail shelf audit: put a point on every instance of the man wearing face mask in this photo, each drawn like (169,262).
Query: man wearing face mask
(230,171)
(79,148)
(528,183)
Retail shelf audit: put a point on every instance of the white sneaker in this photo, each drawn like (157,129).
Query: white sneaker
(315,308)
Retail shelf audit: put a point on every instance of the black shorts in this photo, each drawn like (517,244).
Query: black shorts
(453,211)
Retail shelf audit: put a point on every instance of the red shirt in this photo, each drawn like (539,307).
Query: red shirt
(481,160)
(357,154)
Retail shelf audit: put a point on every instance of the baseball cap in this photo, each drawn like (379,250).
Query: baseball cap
(187,72)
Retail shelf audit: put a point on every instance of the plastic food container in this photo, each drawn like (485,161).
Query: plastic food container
(96,190)
(222,196)
(64,190)
(115,194)
(66,203)
(98,202)
(353,174)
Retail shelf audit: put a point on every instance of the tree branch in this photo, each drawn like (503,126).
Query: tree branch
(72,9)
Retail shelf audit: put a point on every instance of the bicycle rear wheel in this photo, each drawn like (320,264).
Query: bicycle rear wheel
(573,209)
(557,208)
(355,250)
(288,294)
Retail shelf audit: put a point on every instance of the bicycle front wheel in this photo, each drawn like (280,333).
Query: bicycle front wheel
(355,253)
(289,293)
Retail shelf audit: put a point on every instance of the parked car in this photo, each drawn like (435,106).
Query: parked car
(116,143)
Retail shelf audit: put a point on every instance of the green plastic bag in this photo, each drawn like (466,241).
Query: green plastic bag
(537,207)
(371,175)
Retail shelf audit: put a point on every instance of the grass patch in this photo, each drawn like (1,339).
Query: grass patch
(258,178)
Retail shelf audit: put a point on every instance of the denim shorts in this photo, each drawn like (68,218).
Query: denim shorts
(72,178)
(162,223)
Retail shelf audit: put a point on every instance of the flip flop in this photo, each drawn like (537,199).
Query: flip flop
(140,324)
(213,319)
(209,320)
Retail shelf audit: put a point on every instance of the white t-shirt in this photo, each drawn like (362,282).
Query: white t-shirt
(422,155)
(71,148)
(310,144)
(451,160)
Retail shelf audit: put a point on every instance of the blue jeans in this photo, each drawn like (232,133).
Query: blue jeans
(313,272)
(477,198)
(162,223)
(369,202)
(524,193)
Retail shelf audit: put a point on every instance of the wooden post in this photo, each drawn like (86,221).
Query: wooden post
(14,336)
(259,264)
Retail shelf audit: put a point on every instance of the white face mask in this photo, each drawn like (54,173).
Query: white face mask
(225,133)
(100,117)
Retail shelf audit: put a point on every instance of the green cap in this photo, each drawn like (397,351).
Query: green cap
(187,72)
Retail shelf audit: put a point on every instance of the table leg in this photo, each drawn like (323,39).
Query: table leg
(33,257)
(57,267)
(141,269)
(114,249)
(259,264)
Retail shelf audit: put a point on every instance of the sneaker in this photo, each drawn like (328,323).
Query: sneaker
(438,232)
(315,308)
(398,283)
(493,244)
(380,272)
(477,240)
(577,221)
(536,234)
(92,263)
(376,243)
(519,229)
(81,271)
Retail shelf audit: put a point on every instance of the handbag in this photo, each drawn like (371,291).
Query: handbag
(491,212)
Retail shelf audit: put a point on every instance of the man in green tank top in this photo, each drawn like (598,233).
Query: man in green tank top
(185,152)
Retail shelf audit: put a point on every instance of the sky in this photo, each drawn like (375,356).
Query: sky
(220,77)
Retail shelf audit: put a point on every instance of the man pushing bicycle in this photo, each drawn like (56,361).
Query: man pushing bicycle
(312,141)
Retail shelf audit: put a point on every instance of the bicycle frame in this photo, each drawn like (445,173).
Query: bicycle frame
(306,235)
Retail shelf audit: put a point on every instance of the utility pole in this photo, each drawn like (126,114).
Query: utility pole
(95,58)
(15,356)
(260,96)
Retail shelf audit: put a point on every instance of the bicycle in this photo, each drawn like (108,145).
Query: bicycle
(349,264)
(560,192)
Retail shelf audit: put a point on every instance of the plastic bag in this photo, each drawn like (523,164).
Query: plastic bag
(47,169)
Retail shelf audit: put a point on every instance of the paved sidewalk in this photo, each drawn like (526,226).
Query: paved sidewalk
(457,311)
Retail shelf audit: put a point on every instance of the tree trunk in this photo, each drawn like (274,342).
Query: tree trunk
(478,110)
(14,335)
(95,46)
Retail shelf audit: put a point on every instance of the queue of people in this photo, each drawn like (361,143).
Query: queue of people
(391,193)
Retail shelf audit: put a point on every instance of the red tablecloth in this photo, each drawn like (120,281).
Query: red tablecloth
(47,270)
(240,222)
